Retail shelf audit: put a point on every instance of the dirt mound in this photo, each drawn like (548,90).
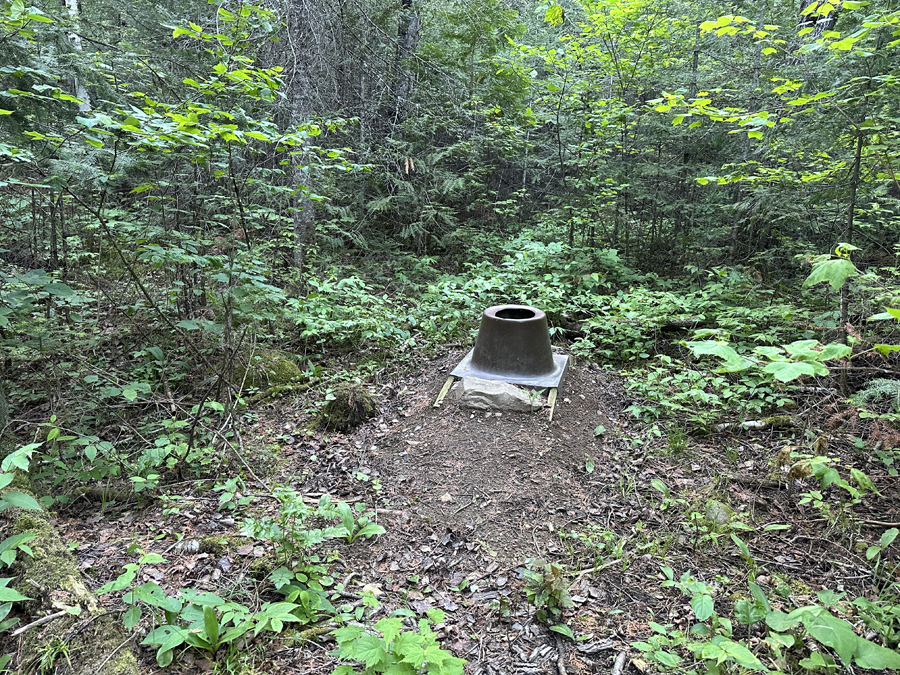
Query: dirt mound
(501,481)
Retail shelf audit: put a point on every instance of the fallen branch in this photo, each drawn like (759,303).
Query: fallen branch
(596,568)
(561,658)
(774,422)
(619,665)
(39,622)
(309,633)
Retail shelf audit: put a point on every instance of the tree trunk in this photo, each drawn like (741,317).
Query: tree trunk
(78,87)
(847,237)
(304,212)
(407,40)
(4,412)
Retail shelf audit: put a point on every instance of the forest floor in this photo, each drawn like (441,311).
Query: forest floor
(467,497)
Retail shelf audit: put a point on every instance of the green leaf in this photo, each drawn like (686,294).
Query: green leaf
(733,361)
(554,15)
(10,594)
(211,626)
(563,629)
(370,649)
(834,350)
(888,537)
(132,616)
(785,371)
(760,596)
(741,655)
(781,622)
(870,655)
(281,576)
(833,632)
(835,272)
(20,499)
(59,290)
(742,547)
(702,604)
(390,628)
(599,430)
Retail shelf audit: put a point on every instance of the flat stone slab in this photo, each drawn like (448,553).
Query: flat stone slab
(479,394)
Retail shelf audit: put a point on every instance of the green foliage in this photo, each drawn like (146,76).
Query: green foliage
(395,650)
(206,621)
(711,639)
(547,590)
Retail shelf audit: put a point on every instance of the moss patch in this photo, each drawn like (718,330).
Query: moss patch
(218,545)
(267,369)
(351,406)
(92,640)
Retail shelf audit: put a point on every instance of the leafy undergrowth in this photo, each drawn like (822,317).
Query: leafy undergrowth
(763,549)
(727,494)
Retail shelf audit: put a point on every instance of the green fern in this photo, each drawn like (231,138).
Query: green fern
(877,391)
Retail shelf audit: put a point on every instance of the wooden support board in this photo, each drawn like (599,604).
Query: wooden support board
(444,390)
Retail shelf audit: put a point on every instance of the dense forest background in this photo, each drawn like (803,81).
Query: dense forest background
(206,206)
(182,183)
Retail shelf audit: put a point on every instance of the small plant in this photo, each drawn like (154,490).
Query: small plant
(785,635)
(357,522)
(231,495)
(19,459)
(601,543)
(678,441)
(547,589)
(292,530)
(849,494)
(204,621)
(395,650)
(887,538)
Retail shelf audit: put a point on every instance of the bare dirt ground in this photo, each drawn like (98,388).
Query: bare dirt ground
(467,497)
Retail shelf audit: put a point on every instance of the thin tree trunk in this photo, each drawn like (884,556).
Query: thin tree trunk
(61,209)
(81,91)
(54,250)
(847,237)
(407,40)
(304,212)
(695,62)
(757,58)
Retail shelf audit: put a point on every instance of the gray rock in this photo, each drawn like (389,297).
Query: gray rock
(717,512)
(493,395)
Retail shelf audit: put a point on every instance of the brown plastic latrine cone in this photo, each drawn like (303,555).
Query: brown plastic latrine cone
(513,345)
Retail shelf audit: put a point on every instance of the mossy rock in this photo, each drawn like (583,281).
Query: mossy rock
(351,406)
(267,369)
(93,640)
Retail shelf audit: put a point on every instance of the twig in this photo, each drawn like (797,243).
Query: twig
(561,658)
(619,665)
(598,568)
(881,523)
(240,455)
(39,622)
(99,668)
